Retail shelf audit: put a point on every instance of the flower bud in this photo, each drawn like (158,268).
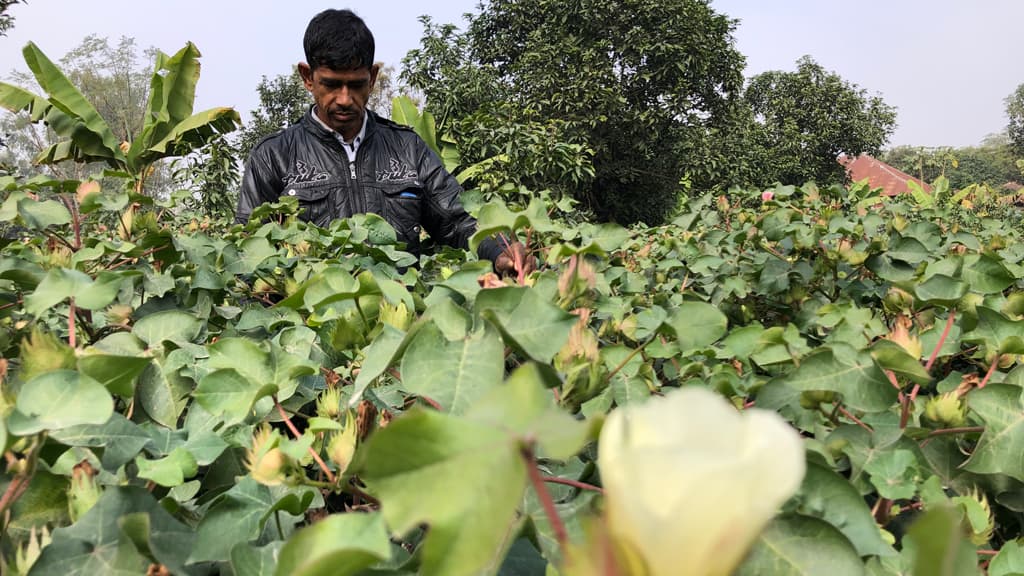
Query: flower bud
(343,445)
(84,492)
(946,410)
(265,461)
(396,315)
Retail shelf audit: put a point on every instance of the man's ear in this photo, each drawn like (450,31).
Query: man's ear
(307,75)
(373,74)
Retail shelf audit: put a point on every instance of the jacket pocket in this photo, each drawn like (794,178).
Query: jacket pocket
(314,202)
(403,208)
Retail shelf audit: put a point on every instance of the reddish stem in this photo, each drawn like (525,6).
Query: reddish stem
(987,552)
(961,430)
(942,340)
(433,403)
(991,370)
(71,323)
(574,484)
(855,420)
(908,401)
(561,536)
(295,432)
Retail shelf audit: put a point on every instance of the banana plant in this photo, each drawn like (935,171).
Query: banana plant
(170,127)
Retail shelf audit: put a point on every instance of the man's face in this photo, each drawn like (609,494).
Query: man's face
(340,96)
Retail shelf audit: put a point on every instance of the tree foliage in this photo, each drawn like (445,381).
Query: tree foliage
(805,119)
(6,20)
(1015,113)
(642,83)
(115,78)
(283,101)
(992,162)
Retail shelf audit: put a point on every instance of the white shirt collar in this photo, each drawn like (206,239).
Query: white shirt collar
(350,148)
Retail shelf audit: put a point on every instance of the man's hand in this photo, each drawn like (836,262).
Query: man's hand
(516,261)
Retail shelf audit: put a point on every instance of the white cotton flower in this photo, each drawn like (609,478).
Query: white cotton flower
(690,481)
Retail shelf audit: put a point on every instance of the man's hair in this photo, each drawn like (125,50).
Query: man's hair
(339,40)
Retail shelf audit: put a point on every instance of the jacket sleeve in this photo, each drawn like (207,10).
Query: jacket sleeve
(260,183)
(444,217)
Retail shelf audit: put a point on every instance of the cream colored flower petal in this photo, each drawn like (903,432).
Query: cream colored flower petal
(690,482)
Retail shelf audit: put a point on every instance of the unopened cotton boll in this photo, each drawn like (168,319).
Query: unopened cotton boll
(690,481)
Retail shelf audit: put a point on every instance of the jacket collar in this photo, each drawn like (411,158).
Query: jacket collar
(311,124)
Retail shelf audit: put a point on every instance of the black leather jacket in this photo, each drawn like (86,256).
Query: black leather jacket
(395,175)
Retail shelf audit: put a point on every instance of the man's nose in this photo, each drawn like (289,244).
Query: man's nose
(343,97)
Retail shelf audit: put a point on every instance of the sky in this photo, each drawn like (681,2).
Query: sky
(946,65)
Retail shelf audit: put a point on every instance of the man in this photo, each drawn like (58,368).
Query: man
(342,159)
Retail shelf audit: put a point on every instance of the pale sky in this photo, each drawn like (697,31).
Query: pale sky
(946,65)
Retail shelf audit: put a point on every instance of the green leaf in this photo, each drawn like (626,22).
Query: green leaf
(526,408)
(697,324)
(894,474)
(938,546)
(163,392)
(800,546)
(530,324)
(1000,447)
(120,438)
(453,373)
(274,368)
(1009,561)
(98,541)
(476,474)
(891,356)
(229,393)
(940,289)
(169,325)
(339,545)
(170,471)
(841,368)
(988,275)
(249,561)
(61,283)
(830,497)
(71,115)
(116,372)
(57,400)
(235,518)
(40,214)
(377,356)
(997,332)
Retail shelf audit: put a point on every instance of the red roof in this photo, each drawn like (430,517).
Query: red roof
(879,174)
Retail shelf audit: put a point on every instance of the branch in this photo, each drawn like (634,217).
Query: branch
(961,430)
(991,369)
(574,484)
(295,432)
(627,359)
(942,340)
(561,536)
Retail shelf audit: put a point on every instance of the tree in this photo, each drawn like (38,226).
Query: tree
(805,119)
(6,20)
(642,82)
(169,128)
(114,80)
(283,101)
(1015,113)
(990,163)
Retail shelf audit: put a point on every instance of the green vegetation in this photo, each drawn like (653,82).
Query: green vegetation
(180,394)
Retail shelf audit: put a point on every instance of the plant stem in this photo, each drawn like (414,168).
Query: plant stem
(574,484)
(942,340)
(991,369)
(908,401)
(961,430)
(561,536)
(855,420)
(295,432)
(277,520)
(71,323)
(627,359)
